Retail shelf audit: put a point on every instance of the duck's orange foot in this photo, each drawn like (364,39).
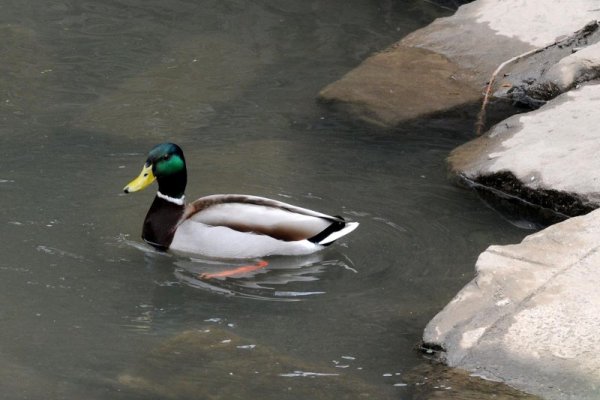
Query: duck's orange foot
(235,271)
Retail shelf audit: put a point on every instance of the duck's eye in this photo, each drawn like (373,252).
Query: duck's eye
(166,156)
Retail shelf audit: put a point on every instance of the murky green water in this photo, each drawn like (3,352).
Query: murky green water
(87,87)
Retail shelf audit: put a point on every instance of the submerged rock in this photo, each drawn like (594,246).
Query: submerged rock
(446,65)
(213,363)
(433,381)
(530,317)
(398,84)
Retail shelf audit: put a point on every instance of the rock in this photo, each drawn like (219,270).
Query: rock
(536,78)
(530,317)
(536,22)
(213,363)
(399,84)
(445,66)
(582,66)
(546,157)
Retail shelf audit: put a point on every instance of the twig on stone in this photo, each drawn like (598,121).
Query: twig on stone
(587,30)
(479,125)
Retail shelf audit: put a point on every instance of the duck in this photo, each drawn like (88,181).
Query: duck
(230,226)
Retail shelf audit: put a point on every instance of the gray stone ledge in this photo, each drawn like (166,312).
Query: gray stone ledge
(529,318)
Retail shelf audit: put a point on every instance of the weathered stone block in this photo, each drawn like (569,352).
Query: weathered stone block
(529,318)
(550,152)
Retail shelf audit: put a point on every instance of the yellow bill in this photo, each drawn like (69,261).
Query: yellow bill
(145,178)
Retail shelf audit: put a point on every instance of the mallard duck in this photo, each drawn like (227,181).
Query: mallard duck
(226,225)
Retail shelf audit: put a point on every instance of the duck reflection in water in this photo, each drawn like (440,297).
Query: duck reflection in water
(270,278)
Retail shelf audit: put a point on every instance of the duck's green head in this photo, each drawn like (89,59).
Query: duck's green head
(166,165)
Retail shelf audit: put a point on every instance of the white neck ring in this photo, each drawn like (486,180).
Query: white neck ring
(180,201)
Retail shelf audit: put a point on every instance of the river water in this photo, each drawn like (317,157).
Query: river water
(88,311)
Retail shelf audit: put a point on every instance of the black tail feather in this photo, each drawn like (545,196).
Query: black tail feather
(334,227)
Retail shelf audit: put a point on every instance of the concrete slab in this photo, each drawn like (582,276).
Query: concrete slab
(529,318)
(551,149)
(537,22)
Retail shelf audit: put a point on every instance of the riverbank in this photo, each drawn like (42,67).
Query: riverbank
(527,319)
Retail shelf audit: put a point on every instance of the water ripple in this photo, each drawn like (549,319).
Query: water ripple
(271,278)
(268,283)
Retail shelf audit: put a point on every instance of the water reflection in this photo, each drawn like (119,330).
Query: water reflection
(271,278)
